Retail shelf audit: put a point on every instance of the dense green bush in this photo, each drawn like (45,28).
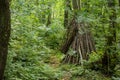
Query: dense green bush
(32,44)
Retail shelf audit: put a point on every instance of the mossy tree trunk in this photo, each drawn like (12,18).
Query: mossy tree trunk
(49,15)
(119,2)
(66,13)
(110,56)
(4,34)
(79,39)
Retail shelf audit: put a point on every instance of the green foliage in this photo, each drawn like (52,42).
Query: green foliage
(80,73)
(34,47)
(34,71)
(32,43)
(95,56)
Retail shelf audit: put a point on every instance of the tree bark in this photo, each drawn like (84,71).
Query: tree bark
(4,34)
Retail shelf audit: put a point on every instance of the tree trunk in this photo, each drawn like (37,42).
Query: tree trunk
(66,13)
(79,39)
(119,2)
(43,11)
(4,34)
(49,16)
(109,58)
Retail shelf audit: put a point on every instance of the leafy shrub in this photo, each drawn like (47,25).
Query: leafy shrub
(32,44)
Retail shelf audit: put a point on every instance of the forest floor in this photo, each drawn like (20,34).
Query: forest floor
(72,72)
